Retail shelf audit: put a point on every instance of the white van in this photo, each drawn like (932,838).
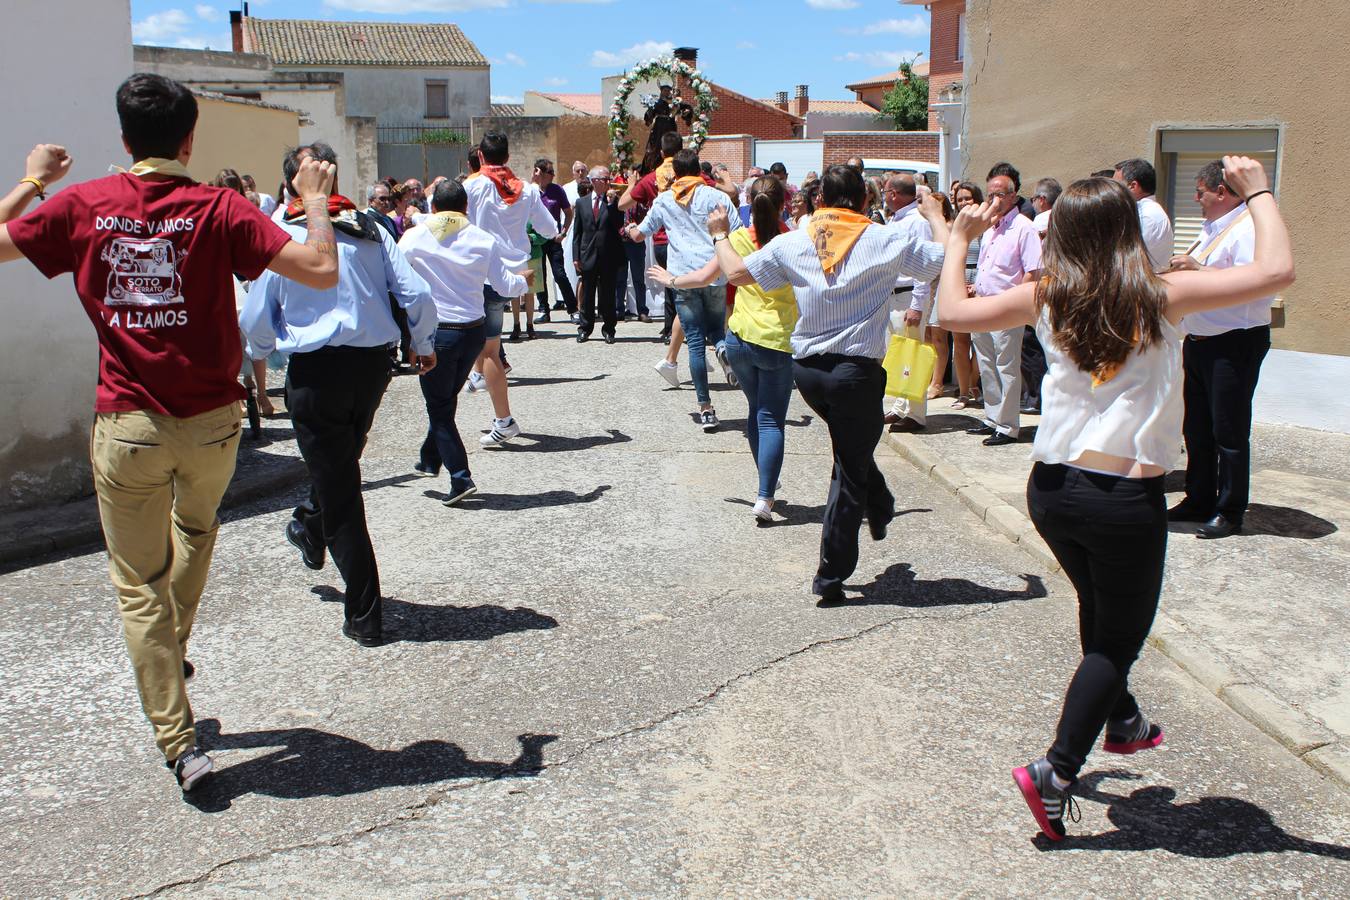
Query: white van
(883,167)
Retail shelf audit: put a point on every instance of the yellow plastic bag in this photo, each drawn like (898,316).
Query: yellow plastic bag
(909,366)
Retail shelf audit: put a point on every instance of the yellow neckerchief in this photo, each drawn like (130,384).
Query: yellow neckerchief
(665,173)
(834,231)
(683,188)
(445,224)
(154,165)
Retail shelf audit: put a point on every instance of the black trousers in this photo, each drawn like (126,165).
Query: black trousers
(333,394)
(636,268)
(598,282)
(1221,375)
(1033,369)
(1109,534)
(846,392)
(662,254)
(553,254)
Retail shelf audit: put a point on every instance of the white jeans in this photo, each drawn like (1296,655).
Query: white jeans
(1000,356)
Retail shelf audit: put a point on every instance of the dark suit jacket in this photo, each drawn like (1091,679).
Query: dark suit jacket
(596,243)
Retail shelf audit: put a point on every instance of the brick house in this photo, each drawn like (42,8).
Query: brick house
(946,50)
(872,91)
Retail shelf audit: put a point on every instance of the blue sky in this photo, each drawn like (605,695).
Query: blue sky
(757,47)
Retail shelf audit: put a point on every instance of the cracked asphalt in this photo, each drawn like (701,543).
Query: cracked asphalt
(604,680)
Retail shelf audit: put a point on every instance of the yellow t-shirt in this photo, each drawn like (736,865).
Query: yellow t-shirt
(760,317)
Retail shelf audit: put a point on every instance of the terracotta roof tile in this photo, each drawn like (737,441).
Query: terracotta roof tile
(506,109)
(888,78)
(303,42)
(584,103)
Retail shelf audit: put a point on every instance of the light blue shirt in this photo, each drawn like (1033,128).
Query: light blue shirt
(288,316)
(846,312)
(687,228)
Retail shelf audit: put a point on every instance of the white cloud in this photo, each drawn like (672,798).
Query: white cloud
(915,26)
(832,4)
(555,81)
(745,45)
(506,98)
(562,2)
(208,13)
(878,59)
(603,59)
(393,7)
(514,59)
(171,29)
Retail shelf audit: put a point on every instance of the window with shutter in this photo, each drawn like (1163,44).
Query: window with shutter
(438,99)
(1185,153)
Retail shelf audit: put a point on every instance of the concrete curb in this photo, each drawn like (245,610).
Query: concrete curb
(1302,735)
(76,524)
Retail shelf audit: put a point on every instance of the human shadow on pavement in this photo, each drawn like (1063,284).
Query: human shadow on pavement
(526,381)
(740,424)
(1208,828)
(311,763)
(557,443)
(899,585)
(523,501)
(425,623)
(796,514)
(1277,521)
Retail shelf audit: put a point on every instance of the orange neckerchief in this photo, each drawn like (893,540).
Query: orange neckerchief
(509,187)
(665,173)
(834,231)
(683,188)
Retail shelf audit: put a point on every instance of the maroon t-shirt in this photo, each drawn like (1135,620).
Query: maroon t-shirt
(153,263)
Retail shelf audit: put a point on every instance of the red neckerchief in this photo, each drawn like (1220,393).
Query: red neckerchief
(509,187)
(336,205)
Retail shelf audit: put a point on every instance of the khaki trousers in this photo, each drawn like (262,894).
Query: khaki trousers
(159,482)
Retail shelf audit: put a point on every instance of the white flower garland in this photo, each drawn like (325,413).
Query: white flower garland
(704,104)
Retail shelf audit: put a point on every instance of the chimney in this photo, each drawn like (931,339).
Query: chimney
(236,31)
(687,54)
(800,101)
(780,100)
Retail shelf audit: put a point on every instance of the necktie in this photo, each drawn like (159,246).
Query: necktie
(595,211)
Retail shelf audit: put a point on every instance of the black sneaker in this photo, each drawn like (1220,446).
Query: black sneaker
(1132,736)
(191,768)
(708,419)
(425,470)
(1046,802)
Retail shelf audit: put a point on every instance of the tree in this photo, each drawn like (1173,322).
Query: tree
(906,104)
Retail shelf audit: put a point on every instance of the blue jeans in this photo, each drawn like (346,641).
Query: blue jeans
(766,378)
(456,351)
(703,314)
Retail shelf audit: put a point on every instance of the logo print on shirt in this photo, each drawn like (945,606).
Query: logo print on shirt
(144,272)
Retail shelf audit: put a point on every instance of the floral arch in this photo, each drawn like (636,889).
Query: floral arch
(704,104)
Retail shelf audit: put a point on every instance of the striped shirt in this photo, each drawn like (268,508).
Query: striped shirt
(915,227)
(687,228)
(848,312)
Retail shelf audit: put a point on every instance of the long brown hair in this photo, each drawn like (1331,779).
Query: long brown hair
(767,196)
(1103,296)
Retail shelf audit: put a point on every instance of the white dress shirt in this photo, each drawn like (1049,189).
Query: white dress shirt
(1042,223)
(1238,248)
(457,270)
(847,312)
(1157,230)
(507,223)
(909,222)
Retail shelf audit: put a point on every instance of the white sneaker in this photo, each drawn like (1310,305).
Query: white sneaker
(727,371)
(763,510)
(191,767)
(475,383)
(669,371)
(500,434)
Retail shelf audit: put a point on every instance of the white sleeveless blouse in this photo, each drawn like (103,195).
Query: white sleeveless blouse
(1136,415)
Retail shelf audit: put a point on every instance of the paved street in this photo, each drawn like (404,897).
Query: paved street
(604,680)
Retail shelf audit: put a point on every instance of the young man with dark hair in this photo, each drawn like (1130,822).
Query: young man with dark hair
(1141,181)
(167,414)
(456,259)
(683,210)
(339,367)
(842,267)
(502,205)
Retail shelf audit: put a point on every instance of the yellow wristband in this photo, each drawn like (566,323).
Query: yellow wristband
(41,188)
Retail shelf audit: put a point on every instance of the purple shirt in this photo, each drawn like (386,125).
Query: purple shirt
(555,199)
(1008,251)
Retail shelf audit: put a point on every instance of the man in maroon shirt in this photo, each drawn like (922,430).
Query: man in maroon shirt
(153,254)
